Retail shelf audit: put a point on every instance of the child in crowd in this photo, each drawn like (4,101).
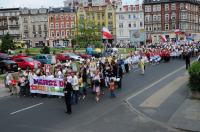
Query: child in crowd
(112,88)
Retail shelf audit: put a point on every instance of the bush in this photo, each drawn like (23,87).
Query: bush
(194,79)
(45,50)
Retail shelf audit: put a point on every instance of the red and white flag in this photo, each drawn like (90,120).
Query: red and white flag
(163,38)
(177,31)
(106,33)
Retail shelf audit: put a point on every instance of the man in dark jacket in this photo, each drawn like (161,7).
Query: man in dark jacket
(67,92)
(187,60)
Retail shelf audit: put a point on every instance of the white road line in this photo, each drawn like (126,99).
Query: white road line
(25,109)
(160,80)
(155,100)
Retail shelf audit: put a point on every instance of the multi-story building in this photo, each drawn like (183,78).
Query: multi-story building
(165,16)
(86,3)
(98,16)
(61,23)
(9,22)
(34,26)
(130,21)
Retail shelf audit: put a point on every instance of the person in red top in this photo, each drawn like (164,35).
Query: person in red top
(14,86)
(112,88)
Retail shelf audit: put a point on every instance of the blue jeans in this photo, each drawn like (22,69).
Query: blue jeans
(75,97)
(112,94)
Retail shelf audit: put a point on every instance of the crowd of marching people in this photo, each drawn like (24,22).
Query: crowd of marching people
(99,74)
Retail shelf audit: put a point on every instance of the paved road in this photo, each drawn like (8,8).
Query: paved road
(47,114)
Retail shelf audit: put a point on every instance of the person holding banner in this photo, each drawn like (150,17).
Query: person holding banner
(67,94)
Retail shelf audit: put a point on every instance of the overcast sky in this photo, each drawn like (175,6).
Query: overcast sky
(39,3)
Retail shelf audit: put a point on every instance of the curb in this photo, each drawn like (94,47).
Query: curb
(152,120)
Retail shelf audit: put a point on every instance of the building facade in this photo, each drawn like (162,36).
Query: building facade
(130,21)
(99,17)
(9,22)
(165,16)
(61,23)
(34,27)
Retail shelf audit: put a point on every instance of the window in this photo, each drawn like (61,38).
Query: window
(134,25)
(182,6)
(154,27)
(52,34)
(81,17)
(72,25)
(173,16)
(57,18)
(121,17)
(52,25)
(120,33)
(25,20)
(166,26)
(63,33)
(129,16)
(39,27)
(25,27)
(62,25)
(166,7)
(173,26)
(57,25)
(129,25)
(120,25)
(62,18)
(154,17)
(99,16)
(159,17)
(34,28)
(159,27)
(57,34)
(45,27)
(109,15)
(148,8)
(141,24)
(166,17)
(173,6)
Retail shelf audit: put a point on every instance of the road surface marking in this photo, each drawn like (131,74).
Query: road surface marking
(158,81)
(25,109)
(155,100)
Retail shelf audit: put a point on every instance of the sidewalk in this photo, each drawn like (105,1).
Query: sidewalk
(187,117)
(4,91)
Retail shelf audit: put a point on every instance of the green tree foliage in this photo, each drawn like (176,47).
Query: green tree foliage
(88,33)
(194,80)
(45,50)
(7,43)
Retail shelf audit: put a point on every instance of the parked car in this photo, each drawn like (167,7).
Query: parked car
(84,56)
(27,63)
(43,58)
(62,57)
(4,56)
(74,56)
(8,66)
(59,46)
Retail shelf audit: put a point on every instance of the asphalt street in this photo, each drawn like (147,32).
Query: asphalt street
(48,114)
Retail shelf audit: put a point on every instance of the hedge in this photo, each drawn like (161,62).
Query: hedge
(194,79)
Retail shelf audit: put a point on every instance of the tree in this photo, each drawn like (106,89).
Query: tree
(7,43)
(45,50)
(87,33)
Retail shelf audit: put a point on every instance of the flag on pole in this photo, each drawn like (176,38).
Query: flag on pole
(163,38)
(106,33)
